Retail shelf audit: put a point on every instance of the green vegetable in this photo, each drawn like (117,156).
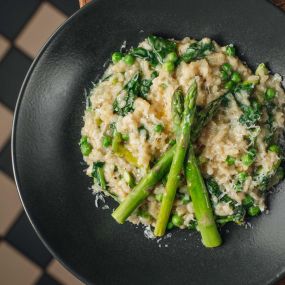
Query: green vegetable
(85,146)
(98,174)
(197,50)
(171,57)
(249,157)
(170,226)
(237,217)
(129,59)
(177,106)
(159,128)
(161,47)
(141,190)
(161,168)
(117,139)
(169,66)
(226,71)
(154,74)
(136,87)
(145,54)
(236,77)
(158,197)
(213,187)
(240,180)
(274,148)
(201,203)
(106,141)
(253,211)
(270,93)
(247,201)
(176,220)
(261,69)
(230,50)
(117,56)
(183,139)
(251,114)
(230,160)
(143,213)
(125,137)
(129,178)
(229,85)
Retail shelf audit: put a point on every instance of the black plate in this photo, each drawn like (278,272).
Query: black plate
(48,165)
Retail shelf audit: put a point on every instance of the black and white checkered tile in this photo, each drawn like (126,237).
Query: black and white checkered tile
(24,28)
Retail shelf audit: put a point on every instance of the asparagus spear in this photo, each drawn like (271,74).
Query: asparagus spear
(183,139)
(177,106)
(161,168)
(201,202)
(140,192)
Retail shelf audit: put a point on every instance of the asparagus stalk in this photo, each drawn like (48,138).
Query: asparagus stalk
(177,106)
(161,168)
(201,202)
(140,192)
(183,140)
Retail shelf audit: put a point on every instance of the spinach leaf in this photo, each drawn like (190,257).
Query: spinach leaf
(197,50)
(161,47)
(98,174)
(136,87)
(145,54)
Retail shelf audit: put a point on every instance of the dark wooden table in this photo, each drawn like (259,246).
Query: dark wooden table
(279,3)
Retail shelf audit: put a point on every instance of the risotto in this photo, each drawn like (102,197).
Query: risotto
(128,126)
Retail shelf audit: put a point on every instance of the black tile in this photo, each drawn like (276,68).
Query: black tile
(13,69)
(23,237)
(47,280)
(68,7)
(6,159)
(14,14)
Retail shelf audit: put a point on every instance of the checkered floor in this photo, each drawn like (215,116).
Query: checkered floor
(25,25)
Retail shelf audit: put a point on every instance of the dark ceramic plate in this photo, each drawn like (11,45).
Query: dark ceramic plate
(48,164)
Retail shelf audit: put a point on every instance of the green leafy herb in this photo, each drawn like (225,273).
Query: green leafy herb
(240,180)
(145,54)
(251,114)
(98,174)
(197,50)
(85,146)
(161,47)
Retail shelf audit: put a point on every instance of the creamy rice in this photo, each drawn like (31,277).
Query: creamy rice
(225,136)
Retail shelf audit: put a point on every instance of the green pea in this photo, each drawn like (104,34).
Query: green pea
(227,68)
(117,56)
(247,201)
(230,160)
(253,211)
(158,128)
(270,93)
(169,66)
(236,77)
(158,197)
(85,146)
(230,50)
(177,220)
(247,159)
(170,225)
(129,59)
(125,137)
(107,141)
(229,85)
(186,199)
(274,148)
(154,74)
(172,57)
(242,176)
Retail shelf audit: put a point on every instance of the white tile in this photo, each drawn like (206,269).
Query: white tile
(56,270)
(16,269)
(6,120)
(39,28)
